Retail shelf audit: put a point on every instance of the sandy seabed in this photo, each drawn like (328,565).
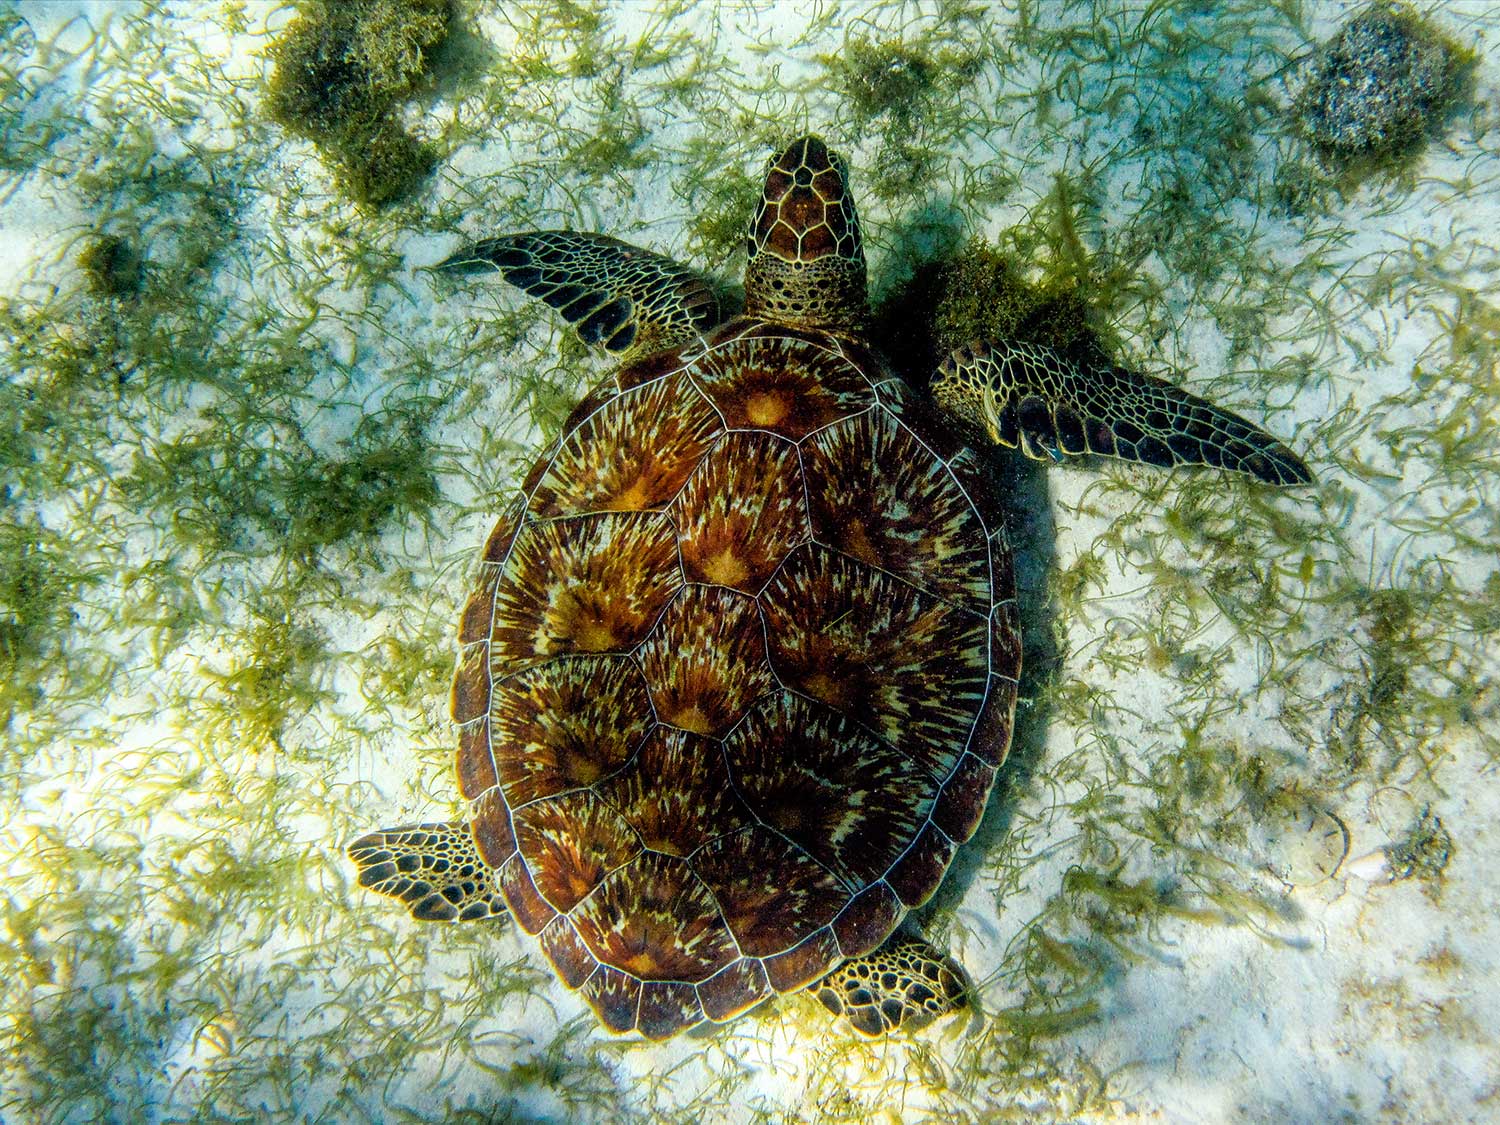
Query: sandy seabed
(1237,868)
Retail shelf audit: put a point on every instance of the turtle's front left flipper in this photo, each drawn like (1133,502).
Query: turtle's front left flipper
(1050,404)
(434,868)
(618,297)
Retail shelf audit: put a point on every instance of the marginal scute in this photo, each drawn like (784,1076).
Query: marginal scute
(493,834)
(961,804)
(521,896)
(917,873)
(868,920)
(470,698)
(475,763)
(804,963)
(733,989)
(614,996)
(497,546)
(479,611)
(565,949)
(667,1007)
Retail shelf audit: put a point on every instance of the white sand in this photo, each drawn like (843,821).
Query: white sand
(1353,998)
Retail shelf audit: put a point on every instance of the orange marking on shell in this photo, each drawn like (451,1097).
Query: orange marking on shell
(690,718)
(766,408)
(725,569)
(741,512)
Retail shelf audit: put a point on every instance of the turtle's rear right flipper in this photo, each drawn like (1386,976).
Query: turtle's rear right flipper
(618,297)
(434,868)
(1050,405)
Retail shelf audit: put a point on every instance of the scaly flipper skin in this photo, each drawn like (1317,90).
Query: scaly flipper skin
(618,297)
(434,868)
(1049,405)
(905,983)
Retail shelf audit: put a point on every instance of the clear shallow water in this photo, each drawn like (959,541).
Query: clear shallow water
(249,448)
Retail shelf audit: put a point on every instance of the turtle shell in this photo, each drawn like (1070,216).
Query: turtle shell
(736,677)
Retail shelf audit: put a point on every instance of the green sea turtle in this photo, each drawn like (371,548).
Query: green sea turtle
(740,662)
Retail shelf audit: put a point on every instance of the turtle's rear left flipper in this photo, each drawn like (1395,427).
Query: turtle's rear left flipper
(904,984)
(618,297)
(434,868)
(1050,405)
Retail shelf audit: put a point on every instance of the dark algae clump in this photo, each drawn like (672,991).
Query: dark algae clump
(343,71)
(112,266)
(1380,89)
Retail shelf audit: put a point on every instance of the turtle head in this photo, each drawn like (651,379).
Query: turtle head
(807,266)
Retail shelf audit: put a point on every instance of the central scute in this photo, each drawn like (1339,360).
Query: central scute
(736,677)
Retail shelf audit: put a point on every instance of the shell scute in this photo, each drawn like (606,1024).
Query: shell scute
(676,794)
(867,644)
(769,890)
(870,916)
(587,584)
(632,454)
(917,873)
(653,918)
(804,963)
(733,989)
(848,799)
(470,698)
(741,512)
(475,764)
(960,806)
(705,661)
(567,723)
(494,834)
(614,996)
(522,899)
(667,1007)
(781,383)
(911,518)
(567,953)
(572,843)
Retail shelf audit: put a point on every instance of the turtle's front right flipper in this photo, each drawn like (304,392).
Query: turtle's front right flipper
(434,868)
(618,297)
(1050,404)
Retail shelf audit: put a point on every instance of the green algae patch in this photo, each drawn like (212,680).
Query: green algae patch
(987,291)
(343,73)
(1380,90)
(113,267)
